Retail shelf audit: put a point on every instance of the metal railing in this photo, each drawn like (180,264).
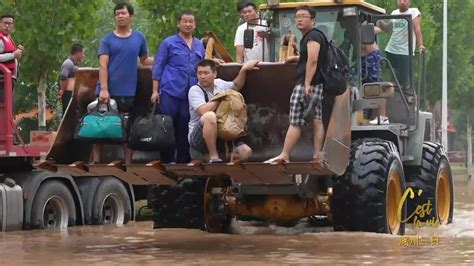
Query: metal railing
(6,79)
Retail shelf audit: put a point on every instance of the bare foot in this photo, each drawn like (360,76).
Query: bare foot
(319,157)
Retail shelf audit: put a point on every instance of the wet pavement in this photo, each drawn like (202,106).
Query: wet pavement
(137,243)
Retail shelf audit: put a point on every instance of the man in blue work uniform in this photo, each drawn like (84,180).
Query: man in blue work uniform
(174,72)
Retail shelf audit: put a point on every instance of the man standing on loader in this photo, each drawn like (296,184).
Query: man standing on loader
(397,47)
(308,81)
(118,71)
(260,50)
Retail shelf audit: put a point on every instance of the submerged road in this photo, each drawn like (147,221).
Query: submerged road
(137,243)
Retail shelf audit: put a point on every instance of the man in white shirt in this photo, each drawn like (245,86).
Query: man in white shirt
(397,47)
(203,123)
(260,50)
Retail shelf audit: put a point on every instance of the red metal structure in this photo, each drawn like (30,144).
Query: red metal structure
(8,126)
(32,198)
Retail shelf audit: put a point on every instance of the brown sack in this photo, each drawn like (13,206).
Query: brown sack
(231,115)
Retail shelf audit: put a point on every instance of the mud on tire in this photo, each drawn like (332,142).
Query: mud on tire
(436,181)
(367,195)
(179,206)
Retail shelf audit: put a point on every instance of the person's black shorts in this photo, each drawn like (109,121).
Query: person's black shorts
(125,104)
(67,95)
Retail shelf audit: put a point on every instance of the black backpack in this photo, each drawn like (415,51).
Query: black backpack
(335,69)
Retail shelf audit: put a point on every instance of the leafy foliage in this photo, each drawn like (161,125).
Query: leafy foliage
(48,28)
(220,17)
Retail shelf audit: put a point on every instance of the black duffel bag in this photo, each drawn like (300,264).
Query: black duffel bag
(152,132)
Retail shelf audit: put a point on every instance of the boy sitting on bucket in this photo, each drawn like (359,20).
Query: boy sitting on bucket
(203,122)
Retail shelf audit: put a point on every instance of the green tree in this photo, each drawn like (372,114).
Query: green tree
(47,29)
(218,16)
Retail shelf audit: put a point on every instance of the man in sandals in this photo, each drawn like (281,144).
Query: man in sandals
(308,82)
(203,123)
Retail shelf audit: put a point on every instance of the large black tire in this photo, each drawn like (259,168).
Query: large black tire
(53,207)
(111,203)
(366,197)
(179,206)
(436,181)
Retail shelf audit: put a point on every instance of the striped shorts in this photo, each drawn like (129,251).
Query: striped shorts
(298,102)
(198,146)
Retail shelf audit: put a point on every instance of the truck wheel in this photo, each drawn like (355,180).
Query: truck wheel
(53,207)
(436,181)
(367,196)
(111,204)
(216,216)
(179,206)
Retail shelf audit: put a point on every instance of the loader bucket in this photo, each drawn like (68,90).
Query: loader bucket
(266,91)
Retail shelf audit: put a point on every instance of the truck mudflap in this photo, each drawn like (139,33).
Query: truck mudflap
(167,174)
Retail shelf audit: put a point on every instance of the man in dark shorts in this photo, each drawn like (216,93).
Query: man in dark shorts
(313,49)
(67,76)
(118,70)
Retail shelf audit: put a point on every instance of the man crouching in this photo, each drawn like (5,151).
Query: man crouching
(203,121)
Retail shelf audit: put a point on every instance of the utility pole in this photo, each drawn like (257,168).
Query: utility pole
(470,170)
(444,100)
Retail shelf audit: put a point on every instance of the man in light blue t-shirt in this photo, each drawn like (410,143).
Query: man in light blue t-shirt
(119,52)
(203,123)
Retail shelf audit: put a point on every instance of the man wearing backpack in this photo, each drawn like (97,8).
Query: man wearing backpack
(313,47)
(203,123)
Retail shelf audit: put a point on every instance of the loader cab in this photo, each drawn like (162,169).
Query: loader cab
(353,27)
(333,21)
(340,23)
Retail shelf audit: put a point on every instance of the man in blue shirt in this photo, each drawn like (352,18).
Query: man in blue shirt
(174,72)
(118,71)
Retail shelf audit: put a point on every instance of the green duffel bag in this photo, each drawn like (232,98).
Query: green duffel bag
(102,125)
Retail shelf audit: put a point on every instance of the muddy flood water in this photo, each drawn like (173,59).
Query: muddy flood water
(137,243)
